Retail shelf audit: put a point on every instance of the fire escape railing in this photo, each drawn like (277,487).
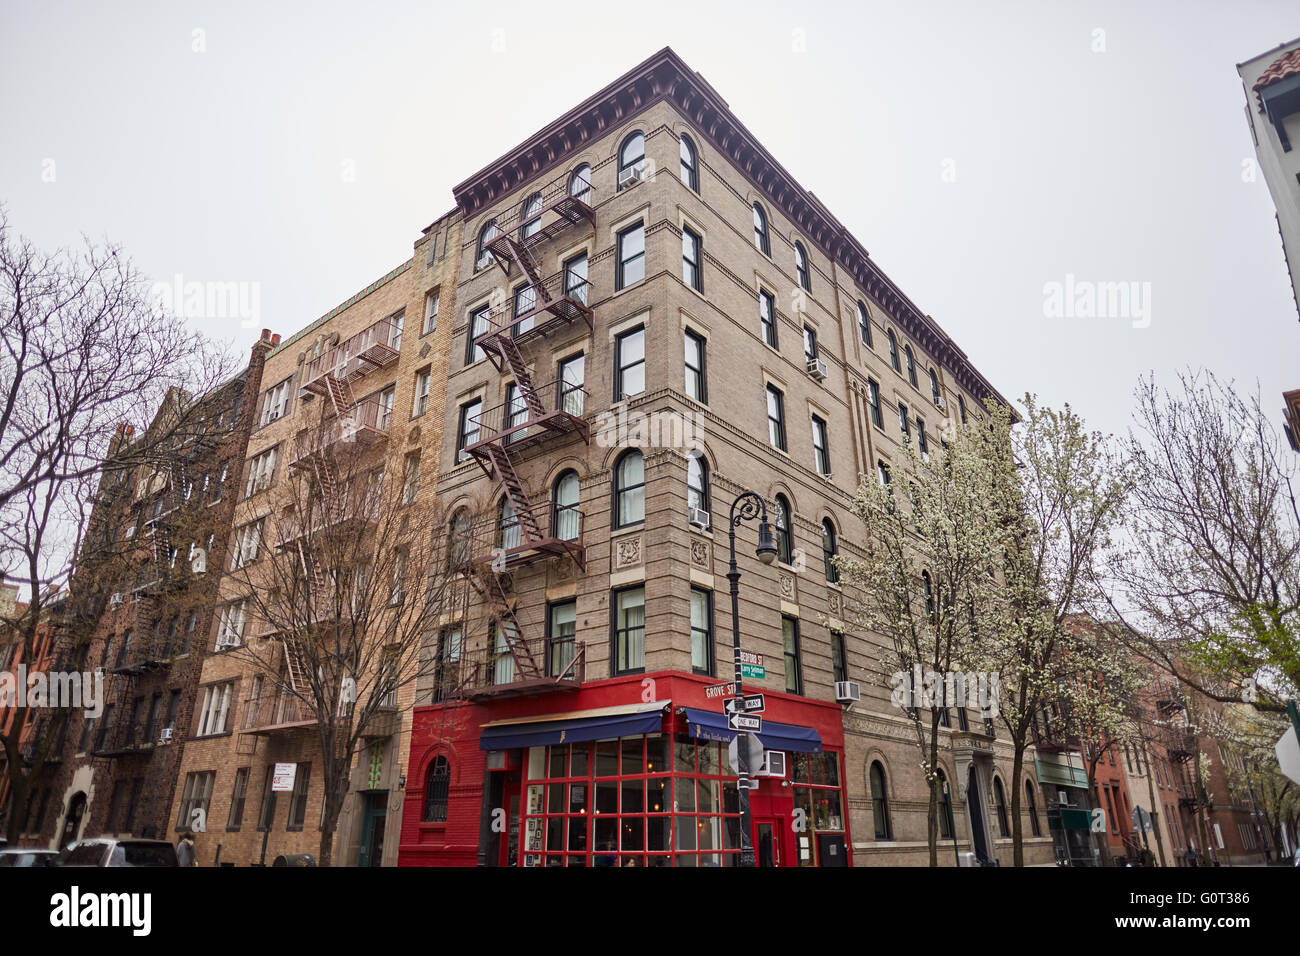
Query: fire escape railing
(541,412)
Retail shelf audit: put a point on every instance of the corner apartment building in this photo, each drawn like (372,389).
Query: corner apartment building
(376,362)
(169,520)
(1272,86)
(652,316)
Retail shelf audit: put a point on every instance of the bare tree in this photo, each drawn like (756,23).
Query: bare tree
(343,581)
(1211,575)
(85,357)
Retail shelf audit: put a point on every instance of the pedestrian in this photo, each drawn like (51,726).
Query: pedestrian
(185,850)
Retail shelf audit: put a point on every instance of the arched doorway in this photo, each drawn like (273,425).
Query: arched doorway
(976,807)
(72,822)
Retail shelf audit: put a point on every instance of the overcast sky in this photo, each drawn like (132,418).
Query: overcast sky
(978,151)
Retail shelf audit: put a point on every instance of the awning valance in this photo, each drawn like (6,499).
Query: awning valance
(602,723)
(707,725)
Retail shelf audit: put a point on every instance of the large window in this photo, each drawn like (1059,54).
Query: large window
(478,324)
(420,402)
(572,373)
(839,657)
(880,802)
(801,266)
(580,184)
(696,383)
(701,631)
(692,252)
(934,387)
(196,796)
(775,417)
(238,797)
(821,451)
(629,630)
(531,215)
(275,402)
(468,430)
(437,785)
(809,343)
(761,239)
(629,360)
(911,365)
(690,164)
(829,550)
(631,159)
(561,631)
(873,399)
(1000,802)
(784,536)
(575,278)
(524,301)
(483,258)
(629,490)
(214,709)
(864,325)
(298,799)
(697,482)
(793,666)
(767,316)
(893,351)
(945,807)
(631,257)
(567,519)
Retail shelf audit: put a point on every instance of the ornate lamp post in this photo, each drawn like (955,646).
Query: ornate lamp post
(747,505)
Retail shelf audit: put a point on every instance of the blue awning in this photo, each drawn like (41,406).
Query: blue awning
(707,725)
(600,724)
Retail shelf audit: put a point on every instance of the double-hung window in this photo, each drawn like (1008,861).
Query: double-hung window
(571,376)
(701,631)
(631,257)
(775,417)
(629,357)
(430,312)
(873,399)
(275,402)
(821,451)
(420,404)
(793,667)
(767,316)
(215,709)
(468,430)
(629,630)
(696,385)
(261,469)
(478,324)
(692,251)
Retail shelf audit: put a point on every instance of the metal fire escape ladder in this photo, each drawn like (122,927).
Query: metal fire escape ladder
(501,469)
(488,584)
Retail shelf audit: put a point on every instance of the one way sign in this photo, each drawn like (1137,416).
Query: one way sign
(745,722)
(750,704)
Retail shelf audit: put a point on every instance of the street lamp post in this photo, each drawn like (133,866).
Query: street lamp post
(750,505)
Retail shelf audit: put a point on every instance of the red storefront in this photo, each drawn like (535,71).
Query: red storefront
(631,771)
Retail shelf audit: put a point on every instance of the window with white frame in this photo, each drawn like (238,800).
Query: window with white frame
(275,402)
(248,539)
(420,404)
(215,709)
(230,628)
(261,469)
(430,312)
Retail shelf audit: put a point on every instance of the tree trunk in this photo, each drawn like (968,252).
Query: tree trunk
(20,792)
(932,823)
(1017,831)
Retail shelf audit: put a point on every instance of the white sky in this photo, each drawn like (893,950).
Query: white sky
(1123,165)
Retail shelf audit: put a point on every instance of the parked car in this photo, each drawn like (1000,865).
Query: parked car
(27,856)
(110,851)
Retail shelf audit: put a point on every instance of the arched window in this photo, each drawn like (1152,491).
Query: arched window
(829,551)
(566,518)
(580,184)
(760,231)
(690,164)
(864,325)
(482,257)
(631,158)
(1033,809)
(961,407)
(945,808)
(508,525)
(437,783)
(697,482)
(784,539)
(1000,802)
(928,587)
(801,266)
(880,802)
(629,490)
(911,365)
(934,386)
(893,351)
(531,214)
(458,547)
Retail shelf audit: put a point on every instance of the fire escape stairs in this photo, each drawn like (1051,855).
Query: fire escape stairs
(488,584)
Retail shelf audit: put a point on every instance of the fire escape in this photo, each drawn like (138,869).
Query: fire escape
(345,424)
(529,529)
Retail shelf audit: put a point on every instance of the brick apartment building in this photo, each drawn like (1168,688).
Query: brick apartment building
(638,274)
(377,360)
(171,517)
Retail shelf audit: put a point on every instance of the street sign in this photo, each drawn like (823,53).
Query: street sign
(719,690)
(751,703)
(753,751)
(1288,755)
(282,778)
(1142,820)
(754,671)
(745,722)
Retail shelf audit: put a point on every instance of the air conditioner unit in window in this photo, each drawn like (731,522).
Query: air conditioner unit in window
(115,599)
(773,764)
(817,369)
(942,403)
(698,517)
(633,174)
(1062,798)
(848,691)
(165,735)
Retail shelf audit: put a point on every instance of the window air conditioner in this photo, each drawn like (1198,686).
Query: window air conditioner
(848,691)
(817,369)
(165,735)
(942,403)
(698,517)
(1062,798)
(773,764)
(633,174)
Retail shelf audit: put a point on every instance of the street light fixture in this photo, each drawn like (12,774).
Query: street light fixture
(750,505)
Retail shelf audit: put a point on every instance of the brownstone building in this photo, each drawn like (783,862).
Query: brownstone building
(115,772)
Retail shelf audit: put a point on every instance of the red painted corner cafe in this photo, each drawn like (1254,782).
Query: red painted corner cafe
(631,771)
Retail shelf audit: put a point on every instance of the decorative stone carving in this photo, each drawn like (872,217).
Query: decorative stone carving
(833,602)
(413,435)
(627,552)
(787,586)
(700,553)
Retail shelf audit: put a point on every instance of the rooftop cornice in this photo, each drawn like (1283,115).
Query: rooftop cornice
(665,76)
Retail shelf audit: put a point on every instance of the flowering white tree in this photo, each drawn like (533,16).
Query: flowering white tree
(928,575)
